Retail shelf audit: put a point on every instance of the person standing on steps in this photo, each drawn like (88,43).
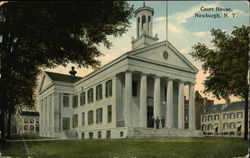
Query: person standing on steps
(163,122)
(157,122)
(152,122)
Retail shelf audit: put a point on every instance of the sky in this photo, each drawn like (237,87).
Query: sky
(182,28)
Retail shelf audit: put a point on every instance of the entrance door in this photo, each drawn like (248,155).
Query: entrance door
(150,112)
(150,122)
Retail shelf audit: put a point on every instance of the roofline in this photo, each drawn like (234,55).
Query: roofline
(144,8)
(182,57)
(127,54)
(104,67)
(43,78)
(113,62)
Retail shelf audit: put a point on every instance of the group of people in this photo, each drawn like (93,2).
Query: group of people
(156,122)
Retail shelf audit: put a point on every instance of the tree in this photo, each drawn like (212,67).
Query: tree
(227,65)
(39,35)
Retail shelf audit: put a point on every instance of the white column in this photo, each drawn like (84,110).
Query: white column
(50,112)
(181,106)
(191,107)
(47,118)
(143,101)
(53,113)
(41,117)
(157,97)
(128,98)
(44,115)
(114,96)
(170,106)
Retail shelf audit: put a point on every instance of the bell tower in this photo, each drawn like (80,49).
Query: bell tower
(144,28)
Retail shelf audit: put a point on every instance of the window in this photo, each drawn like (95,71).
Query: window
(65,100)
(210,118)
(148,18)
(216,117)
(83,119)
(75,120)
(37,120)
(134,88)
(239,115)
(90,95)
(31,120)
(75,101)
(138,25)
(225,116)
(91,135)
(232,125)
(143,21)
(66,123)
(25,120)
(108,134)
(210,127)
(37,128)
(83,136)
(99,92)
(99,115)
(203,127)
(32,127)
(108,89)
(203,118)
(121,134)
(25,127)
(82,98)
(99,134)
(109,113)
(90,117)
(225,126)
(232,115)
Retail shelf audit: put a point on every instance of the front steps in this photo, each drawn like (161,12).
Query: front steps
(139,132)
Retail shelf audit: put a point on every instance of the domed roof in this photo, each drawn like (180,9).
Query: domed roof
(144,8)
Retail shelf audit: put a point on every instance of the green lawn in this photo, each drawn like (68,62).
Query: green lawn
(26,136)
(128,148)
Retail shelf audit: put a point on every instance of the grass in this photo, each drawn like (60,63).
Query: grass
(128,148)
(26,136)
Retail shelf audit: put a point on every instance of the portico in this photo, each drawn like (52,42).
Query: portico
(142,91)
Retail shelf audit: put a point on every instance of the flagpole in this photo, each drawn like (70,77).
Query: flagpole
(166,25)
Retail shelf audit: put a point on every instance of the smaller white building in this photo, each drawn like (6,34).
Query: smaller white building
(120,99)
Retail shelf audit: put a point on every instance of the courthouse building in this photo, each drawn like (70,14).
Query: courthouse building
(119,99)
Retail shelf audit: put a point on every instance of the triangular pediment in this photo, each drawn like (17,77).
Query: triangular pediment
(45,82)
(172,58)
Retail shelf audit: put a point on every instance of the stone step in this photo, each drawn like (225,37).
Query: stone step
(171,132)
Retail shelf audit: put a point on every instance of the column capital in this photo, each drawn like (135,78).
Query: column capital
(179,81)
(128,71)
(191,83)
(170,79)
(143,74)
(156,76)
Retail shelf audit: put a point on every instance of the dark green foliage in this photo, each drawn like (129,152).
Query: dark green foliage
(39,35)
(227,64)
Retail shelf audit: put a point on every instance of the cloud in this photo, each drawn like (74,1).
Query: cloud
(202,33)
(160,19)
(240,12)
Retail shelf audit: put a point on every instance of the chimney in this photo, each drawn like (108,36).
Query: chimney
(72,71)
